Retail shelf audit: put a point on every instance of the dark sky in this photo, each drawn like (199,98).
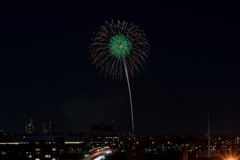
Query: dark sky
(46,73)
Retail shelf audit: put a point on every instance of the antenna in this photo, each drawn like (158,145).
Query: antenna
(209,147)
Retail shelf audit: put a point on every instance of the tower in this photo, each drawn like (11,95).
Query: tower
(209,147)
(47,127)
(30,127)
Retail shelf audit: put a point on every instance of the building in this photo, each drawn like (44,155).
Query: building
(30,127)
(47,127)
(44,149)
(102,134)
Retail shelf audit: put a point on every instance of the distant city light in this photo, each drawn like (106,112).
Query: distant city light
(73,142)
(47,156)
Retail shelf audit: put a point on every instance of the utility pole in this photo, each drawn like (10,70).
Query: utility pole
(209,147)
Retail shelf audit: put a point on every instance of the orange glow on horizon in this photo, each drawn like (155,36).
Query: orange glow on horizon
(230,156)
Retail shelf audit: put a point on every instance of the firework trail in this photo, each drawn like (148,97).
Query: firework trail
(130,95)
(117,48)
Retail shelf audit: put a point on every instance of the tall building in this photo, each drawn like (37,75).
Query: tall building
(30,127)
(47,127)
(104,133)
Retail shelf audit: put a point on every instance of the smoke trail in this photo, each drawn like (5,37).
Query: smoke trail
(129,89)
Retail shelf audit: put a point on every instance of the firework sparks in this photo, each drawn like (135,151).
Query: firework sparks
(117,48)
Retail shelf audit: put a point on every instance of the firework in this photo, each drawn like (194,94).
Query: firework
(120,47)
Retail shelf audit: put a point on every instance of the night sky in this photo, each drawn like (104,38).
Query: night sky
(193,67)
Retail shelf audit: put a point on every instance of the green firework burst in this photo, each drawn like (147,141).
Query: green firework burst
(116,44)
(120,46)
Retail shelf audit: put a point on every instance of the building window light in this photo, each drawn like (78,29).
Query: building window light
(47,156)
(54,149)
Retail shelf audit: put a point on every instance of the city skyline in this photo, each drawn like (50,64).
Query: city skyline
(193,67)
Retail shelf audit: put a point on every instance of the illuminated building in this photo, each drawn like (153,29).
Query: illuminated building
(47,127)
(43,150)
(103,133)
(30,127)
